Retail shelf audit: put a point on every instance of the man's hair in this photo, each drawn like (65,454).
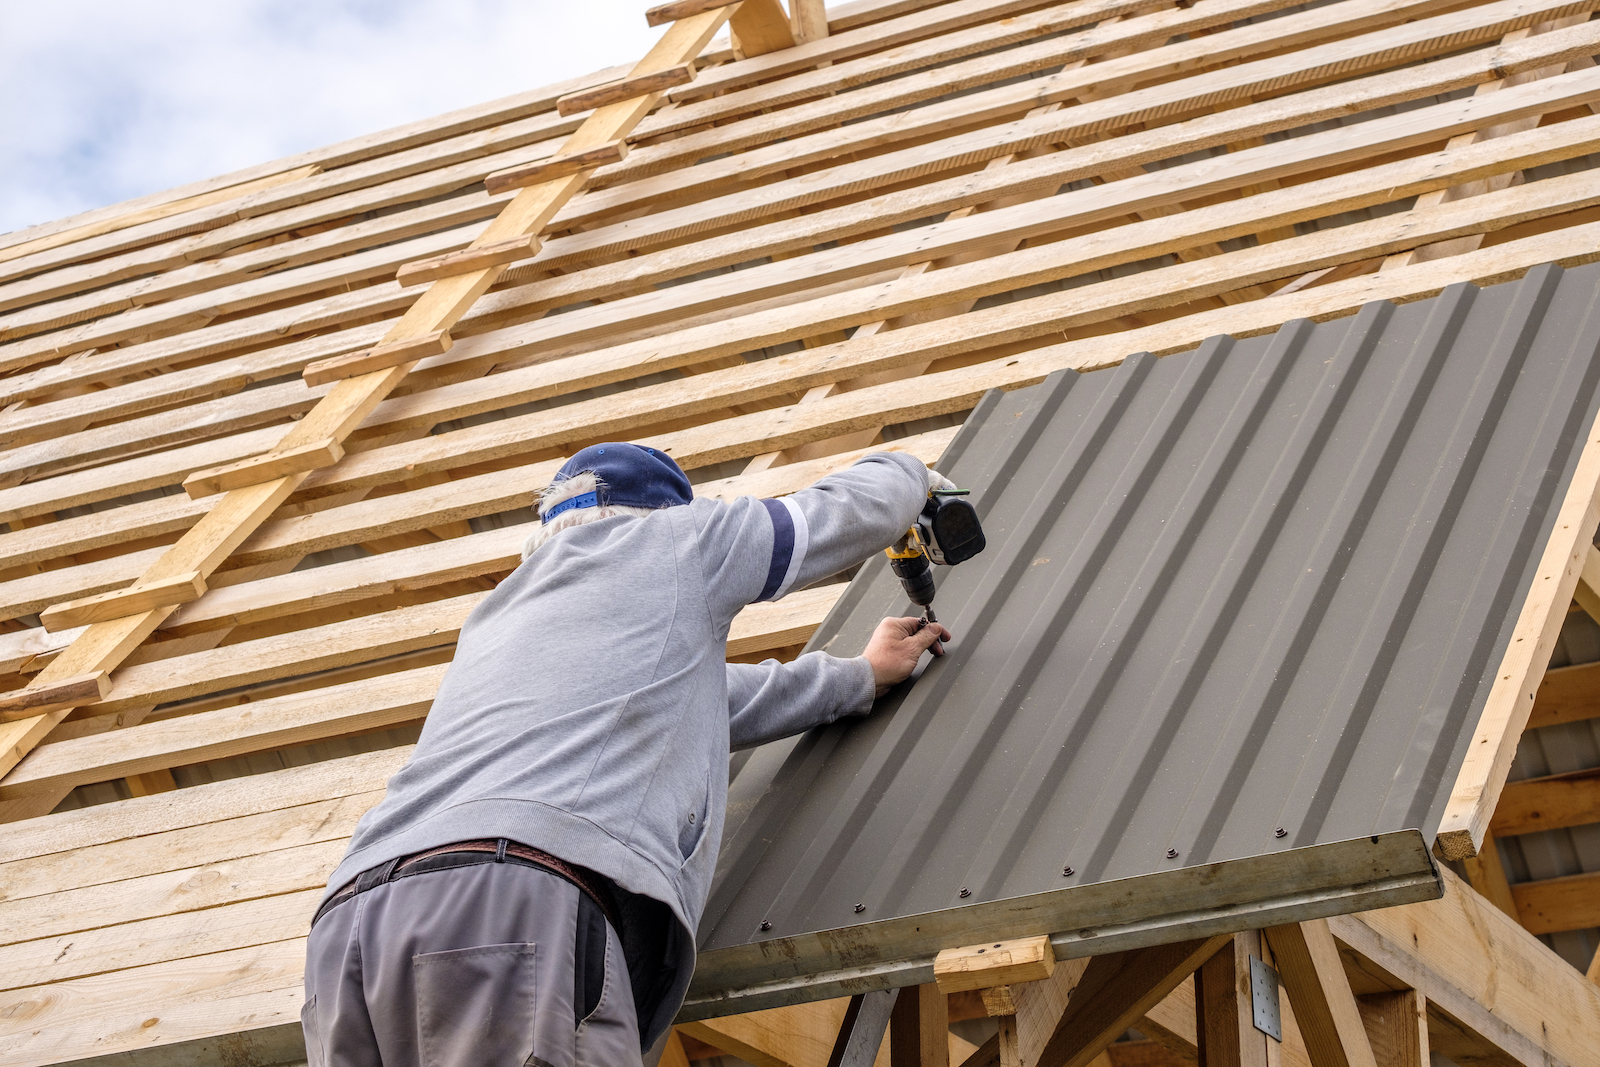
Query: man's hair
(553,494)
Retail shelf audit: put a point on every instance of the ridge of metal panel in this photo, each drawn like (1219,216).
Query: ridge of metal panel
(1239,605)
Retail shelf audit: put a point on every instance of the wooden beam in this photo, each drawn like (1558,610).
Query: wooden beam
(1556,904)
(797,1036)
(48,695)
(1397,1027)
(919,1028)
(1495,993)
(1550,803)
(502,181)
(385,356)
(179,589)
(1325,1008)
(641,85)
(1223,1007)
(1027,959)
(1115,991)
(1505,714)
(477,257)
(1567,694)
(758,27)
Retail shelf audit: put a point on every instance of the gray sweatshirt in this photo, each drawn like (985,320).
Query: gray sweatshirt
(590,712)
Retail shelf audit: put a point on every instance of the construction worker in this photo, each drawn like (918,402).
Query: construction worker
(528,890)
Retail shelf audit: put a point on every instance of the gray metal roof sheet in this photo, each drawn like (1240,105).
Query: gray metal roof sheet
(1217,668)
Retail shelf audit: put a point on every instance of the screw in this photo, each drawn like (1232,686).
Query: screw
(1280,832)
(965,892)
(860,908)
(1172,853)
(1066,872)
(765,925)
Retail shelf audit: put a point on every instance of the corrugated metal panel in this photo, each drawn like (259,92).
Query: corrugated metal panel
(1255,590)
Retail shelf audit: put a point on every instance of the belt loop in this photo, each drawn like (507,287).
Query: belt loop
(500,850)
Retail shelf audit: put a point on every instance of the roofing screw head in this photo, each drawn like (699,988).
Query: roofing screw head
(1172,853)
(860,908)
(965,892)
(765,925)
(1066,872)
(1280,832)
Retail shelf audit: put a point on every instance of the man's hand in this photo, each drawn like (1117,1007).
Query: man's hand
(896,646)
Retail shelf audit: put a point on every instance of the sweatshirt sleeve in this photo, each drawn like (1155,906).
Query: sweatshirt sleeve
(757,550)
(771,700)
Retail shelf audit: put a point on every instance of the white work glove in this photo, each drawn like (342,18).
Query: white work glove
(938,481)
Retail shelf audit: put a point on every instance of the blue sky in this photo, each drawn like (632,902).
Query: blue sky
(104,100)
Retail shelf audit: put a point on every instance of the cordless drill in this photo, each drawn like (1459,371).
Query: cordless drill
(947,532)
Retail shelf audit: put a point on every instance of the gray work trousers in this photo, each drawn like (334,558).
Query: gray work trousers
(463,967)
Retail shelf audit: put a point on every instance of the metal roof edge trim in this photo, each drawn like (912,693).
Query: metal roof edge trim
(1294,885)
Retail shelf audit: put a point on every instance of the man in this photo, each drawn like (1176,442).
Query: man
(528,890)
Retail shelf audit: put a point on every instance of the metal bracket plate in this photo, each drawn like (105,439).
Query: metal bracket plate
(1264,1000)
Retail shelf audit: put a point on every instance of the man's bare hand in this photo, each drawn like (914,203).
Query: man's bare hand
(896,646)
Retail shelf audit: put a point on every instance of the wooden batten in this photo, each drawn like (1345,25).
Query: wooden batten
(179,589)
(658,81)
(266,467)
(69,692)
(555,167)
(998,963)
(472,258)
(437,343)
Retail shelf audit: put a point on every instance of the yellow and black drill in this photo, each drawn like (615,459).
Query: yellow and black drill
(947,532)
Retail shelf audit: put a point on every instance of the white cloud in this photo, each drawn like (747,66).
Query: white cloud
(104,100)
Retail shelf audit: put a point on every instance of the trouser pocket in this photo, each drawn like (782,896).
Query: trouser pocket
(475,1006)
(308,1027)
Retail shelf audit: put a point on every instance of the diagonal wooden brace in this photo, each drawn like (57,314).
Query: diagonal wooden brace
(467,260)
(662,14)
(627,89)
(51,696)
(263,468)
(140,596)
(554,167)
(383,357)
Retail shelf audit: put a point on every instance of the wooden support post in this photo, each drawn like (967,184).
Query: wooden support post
(47,696)
(1308,961)
(467,260)
(758,27)
(1397,1027)
(919,1028)
(1115,991)
(1488,876)
(1223,1015)
(1587,594)
(555,167)
(384,356)
(179,589)
(808,19)
(656,81)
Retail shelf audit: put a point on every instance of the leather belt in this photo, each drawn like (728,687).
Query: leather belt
(468,853)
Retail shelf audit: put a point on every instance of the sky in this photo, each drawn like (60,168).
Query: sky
(103,100)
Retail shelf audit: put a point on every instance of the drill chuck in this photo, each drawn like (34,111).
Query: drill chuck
(916,575)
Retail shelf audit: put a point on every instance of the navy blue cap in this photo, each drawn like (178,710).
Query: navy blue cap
(629,475)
